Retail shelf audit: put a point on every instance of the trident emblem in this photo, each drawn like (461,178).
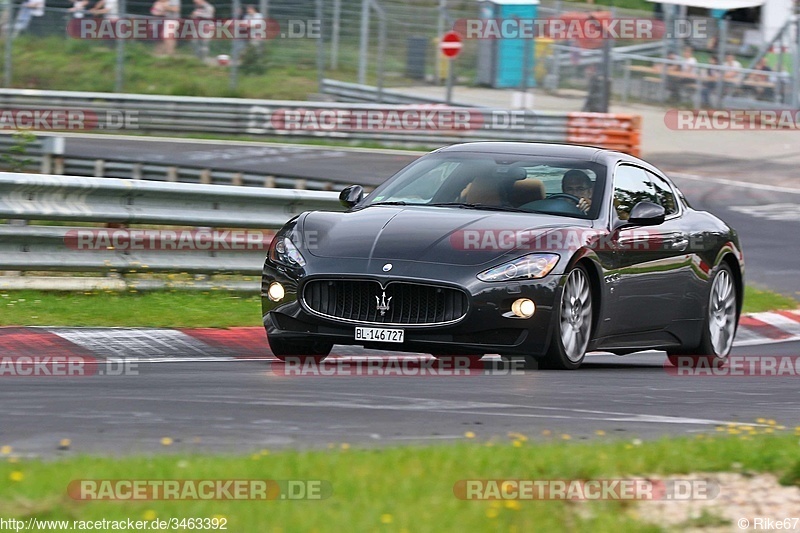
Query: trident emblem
(383,303)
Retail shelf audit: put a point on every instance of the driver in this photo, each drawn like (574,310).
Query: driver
(577,183)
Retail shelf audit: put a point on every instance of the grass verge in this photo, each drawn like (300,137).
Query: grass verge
(399,489)
(212,309)
(757,300)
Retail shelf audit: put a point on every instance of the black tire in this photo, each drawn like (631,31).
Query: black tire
(574,310)
(302,351)
(719,325)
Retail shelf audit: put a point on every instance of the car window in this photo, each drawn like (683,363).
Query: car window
(505,182)
(552,177)
(631,186)
(423,186)
(664,194)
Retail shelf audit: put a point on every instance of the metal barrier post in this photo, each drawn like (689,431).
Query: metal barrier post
(337,13)
(9,38)
(795,66)
(363,52)
(627,81)
(381,47)
(235,47)
(52,149)
(320,49)
(120,68)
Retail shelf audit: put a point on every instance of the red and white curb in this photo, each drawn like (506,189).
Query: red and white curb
(768,328)
(209,344)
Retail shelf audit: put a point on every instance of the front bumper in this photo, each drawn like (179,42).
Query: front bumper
(488,327)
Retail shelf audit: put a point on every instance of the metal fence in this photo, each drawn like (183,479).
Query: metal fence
(385,43)
(90,203)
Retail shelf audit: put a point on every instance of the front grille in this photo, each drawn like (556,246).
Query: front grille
(410,304)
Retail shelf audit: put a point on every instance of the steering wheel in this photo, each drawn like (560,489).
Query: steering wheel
(564,196)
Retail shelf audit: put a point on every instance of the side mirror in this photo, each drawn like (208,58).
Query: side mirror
(351,195)
(647,214)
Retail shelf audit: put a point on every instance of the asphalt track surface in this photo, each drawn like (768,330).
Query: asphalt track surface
(368,167)
(245,405)
(241,406)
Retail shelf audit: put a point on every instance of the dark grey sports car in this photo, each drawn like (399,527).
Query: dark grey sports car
(535,251)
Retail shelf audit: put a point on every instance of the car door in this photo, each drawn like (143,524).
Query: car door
(648,281)
(678,240)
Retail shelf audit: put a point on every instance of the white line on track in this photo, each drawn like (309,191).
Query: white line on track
(734,183)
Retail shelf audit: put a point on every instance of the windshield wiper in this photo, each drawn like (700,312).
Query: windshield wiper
(388,203)
(484,207)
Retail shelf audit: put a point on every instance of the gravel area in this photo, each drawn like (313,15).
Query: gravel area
(744,503)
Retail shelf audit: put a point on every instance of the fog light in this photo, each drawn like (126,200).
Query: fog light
(523,308)
(276,292)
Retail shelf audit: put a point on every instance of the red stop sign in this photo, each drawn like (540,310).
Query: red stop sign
(451,44)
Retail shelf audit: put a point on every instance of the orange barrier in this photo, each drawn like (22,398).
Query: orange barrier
(606,130)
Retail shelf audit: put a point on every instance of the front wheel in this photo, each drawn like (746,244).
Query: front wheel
(719,325)
(299,351)
(573,327)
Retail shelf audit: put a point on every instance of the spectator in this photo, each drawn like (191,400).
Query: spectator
(673,83)
(710,79)
(172,14)
(252,14)
(27,10)
(78,9)
(159,8)
(732,76)
(689,62)
(108,8)
(202,11)
(767,93)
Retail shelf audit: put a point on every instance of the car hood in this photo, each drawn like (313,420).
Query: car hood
(426,234)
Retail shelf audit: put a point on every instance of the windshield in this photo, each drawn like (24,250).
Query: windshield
(564,187)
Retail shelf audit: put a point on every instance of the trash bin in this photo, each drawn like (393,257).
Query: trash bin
(416,54)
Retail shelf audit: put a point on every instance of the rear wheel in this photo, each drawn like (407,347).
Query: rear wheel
(573,326)
(719,325)
(299,351)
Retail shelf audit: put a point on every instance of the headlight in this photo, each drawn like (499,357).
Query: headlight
(283,250)
(531,266)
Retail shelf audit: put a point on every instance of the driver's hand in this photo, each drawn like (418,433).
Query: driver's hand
(585,204)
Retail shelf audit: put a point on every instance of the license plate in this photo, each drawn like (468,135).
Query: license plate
(379,334)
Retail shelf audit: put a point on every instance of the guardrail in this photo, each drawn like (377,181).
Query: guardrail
(340,121)
(344,91)
(33,197)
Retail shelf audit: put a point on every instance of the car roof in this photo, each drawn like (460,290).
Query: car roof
(574,151)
